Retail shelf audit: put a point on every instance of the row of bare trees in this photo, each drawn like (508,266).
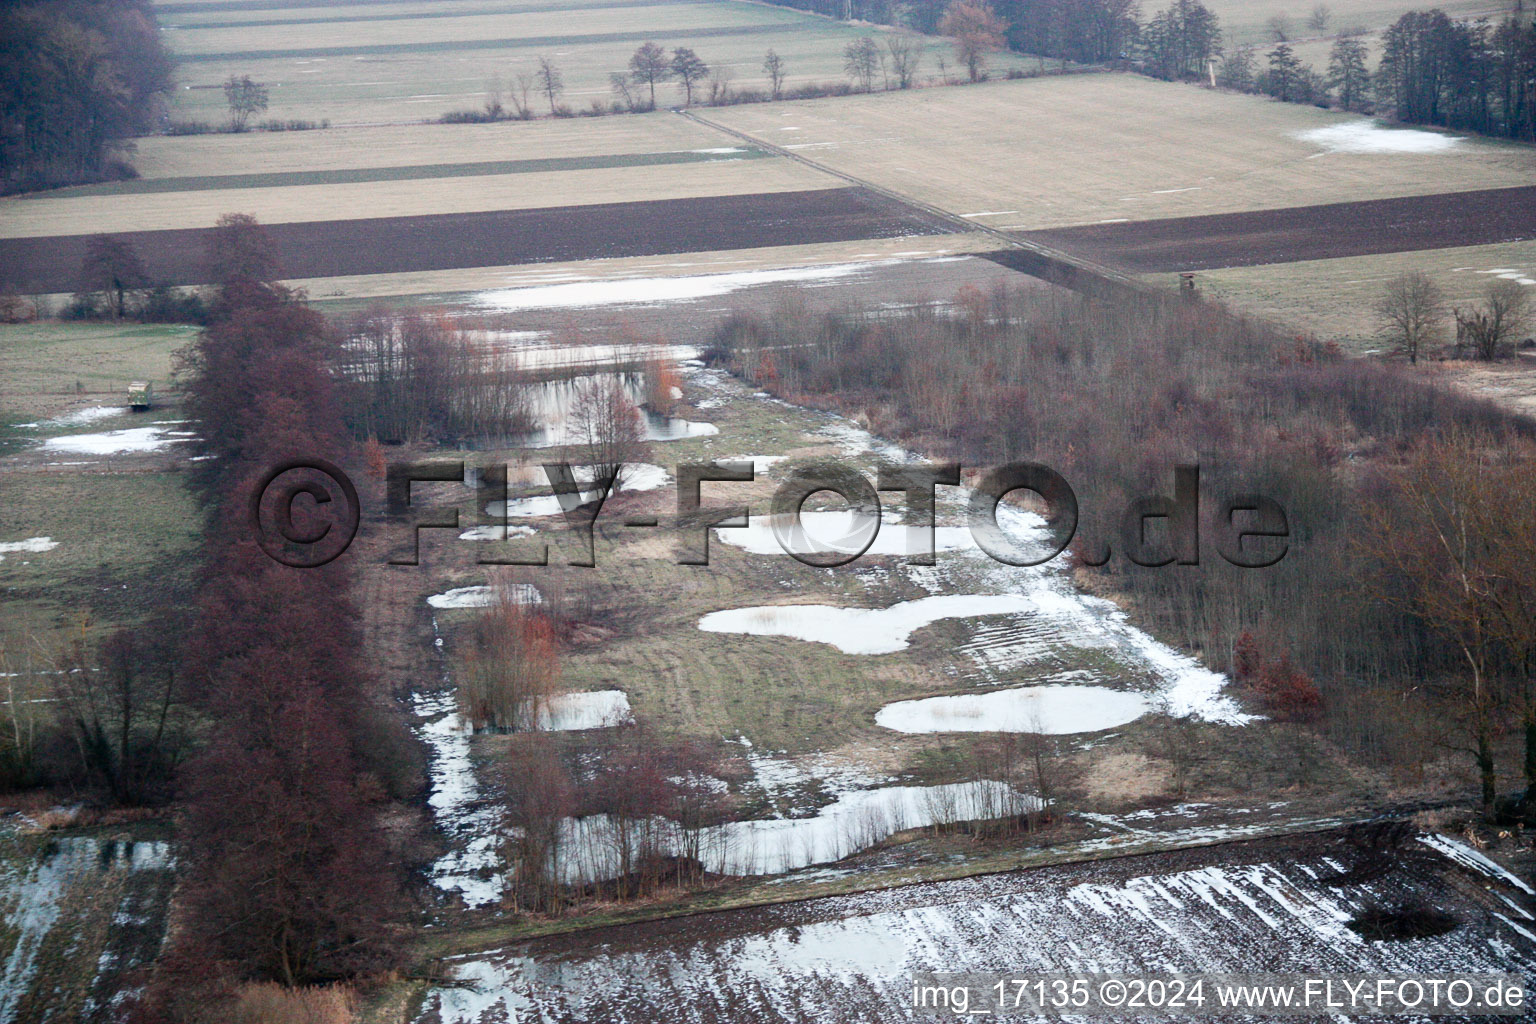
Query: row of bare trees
(290,875)
(1412,312)
(895,63)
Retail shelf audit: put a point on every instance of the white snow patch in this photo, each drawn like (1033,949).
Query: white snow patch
(637,476)
(469,867)
(78,417)
(854,821)
(484,597)
(32,545)
(114,442)
(497,532)
(1054,710)
(1365,136)
(599,709)
(841,532)
(860,630)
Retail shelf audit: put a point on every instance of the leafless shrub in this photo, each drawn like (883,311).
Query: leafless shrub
(607,427)
(1487,332)
(270,1003)
(511,667)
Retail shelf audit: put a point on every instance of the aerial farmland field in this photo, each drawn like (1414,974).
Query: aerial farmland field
(1054,152)
(390,63)
(728,562)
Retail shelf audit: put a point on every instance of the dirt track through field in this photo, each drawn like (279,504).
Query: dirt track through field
(500,238)
(1409,224)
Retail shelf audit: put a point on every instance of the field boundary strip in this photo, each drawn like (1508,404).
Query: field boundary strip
(550,8)
(517,43)
(413,172)
(1293,234)
(1024,255)
(201,6)
(496,238)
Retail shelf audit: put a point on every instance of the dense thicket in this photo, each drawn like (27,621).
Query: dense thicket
(1468,75)
(78,79)
(415,376)
(1114,395)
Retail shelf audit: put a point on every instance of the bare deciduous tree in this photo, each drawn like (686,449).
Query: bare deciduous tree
(522,86)
(1438,535)
(608,428)
(1320,17)
(906,53)
(540,796)
(649,65)
(862,62)
(720,77)
(619,83)
(245,97)
(689,69)
(511,667)
(551,82)
(1410,309)
(494,89)
(112,268)
(773,67)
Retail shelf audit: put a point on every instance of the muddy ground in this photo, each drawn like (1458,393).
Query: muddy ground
(1281,905)
(1409,224)
(499,238)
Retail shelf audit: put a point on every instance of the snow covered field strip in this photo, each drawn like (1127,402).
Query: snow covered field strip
(848,958)
(471,829)
(33,894)
(1470,858)
(641,291)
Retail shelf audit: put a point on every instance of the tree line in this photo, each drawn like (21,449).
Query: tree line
(290,876)
(1471,75)
(78,80)
(893,60)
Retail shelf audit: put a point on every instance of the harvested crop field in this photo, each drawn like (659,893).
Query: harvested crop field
(1305,233)
(371,62)
(1283,904)
(443,241)
(482,189)
(1056,152)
